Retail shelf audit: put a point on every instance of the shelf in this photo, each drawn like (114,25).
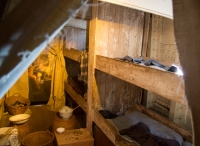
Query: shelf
(72,54)
(163,83)
(77,97)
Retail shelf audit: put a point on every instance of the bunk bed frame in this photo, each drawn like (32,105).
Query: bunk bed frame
(160,82)
(92,113)
(74,54)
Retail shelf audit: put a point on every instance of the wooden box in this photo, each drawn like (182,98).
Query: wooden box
(76,137)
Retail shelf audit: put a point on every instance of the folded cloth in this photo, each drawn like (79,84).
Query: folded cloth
(156,63)
(149,63)
(138,60)
(128,58)
(141,133)
(83,76)
(107,114)
(9,137)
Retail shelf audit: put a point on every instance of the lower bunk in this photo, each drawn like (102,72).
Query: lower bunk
(140,126)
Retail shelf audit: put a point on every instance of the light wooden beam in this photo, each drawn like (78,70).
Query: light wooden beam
(187,135)
(26,31)
(72,54)
(77,97)
(91,64)
(166,84)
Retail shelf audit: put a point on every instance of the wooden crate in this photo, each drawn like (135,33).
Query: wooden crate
(76,137)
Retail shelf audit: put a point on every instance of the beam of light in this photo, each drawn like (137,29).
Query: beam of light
(179,71)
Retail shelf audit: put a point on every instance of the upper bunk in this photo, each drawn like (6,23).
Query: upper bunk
(121,31)
(164,83)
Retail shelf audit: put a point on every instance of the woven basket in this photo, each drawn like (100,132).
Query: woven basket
(40,138)
(9,101)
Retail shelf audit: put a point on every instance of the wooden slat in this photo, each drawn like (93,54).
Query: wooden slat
(114,94)
(105,126)
(145,34)
(77,97)
(163,83)
(119,31)
(72,54)
(187,135)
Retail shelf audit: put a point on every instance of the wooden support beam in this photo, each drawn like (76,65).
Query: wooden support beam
(166,84)
(91,63)
(26,31)
(77,97)
(72,54)
(105,126)
(187,135)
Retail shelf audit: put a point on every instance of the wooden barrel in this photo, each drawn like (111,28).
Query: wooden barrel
(24,130)
(67,124)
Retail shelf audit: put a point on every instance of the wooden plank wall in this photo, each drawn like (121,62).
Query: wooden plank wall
(119,31)
(74,37)
(162,47)
(115,94)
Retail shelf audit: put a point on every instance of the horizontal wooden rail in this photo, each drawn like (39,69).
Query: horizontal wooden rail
(72,54)
(163,83)
(77,97)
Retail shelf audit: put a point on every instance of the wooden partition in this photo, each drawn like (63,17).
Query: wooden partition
(115,31)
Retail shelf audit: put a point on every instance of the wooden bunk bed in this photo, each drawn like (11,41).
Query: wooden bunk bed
(164,83)
(74,55)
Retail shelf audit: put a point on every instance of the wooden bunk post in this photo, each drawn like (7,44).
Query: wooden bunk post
(91,65)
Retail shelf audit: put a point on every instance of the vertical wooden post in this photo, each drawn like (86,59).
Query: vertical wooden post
(145,34)
(91,64)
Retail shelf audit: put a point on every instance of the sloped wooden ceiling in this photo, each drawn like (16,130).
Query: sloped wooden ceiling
(26,31)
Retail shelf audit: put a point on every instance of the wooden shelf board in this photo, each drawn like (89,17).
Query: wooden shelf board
(72,54)
(163,83)
(77,97)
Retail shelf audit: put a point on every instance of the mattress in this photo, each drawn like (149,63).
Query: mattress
(156,128)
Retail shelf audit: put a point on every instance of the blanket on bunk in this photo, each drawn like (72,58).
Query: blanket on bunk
(141,133)
(149,62)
